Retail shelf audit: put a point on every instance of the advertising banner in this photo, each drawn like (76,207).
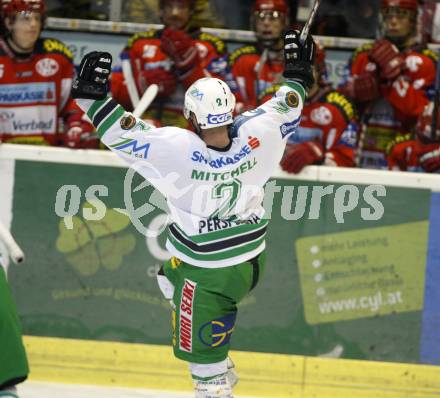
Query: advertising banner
(345,270)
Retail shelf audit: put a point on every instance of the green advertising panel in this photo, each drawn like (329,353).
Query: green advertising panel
(277,319)
(90,275)
(90,270)
(362,273)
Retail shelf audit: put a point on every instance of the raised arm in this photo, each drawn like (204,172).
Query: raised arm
(282,113)
(130,138)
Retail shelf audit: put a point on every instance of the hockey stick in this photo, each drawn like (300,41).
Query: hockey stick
(363,123)
(13,249)
(147,98)
(306,29)
(436,101)
(129,81)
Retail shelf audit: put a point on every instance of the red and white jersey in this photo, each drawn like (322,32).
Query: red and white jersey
(145,53)
(35,93)
(408,154)
(329,118)
(254,74)
(396,111)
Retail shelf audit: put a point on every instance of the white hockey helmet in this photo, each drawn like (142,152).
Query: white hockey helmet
(211,101)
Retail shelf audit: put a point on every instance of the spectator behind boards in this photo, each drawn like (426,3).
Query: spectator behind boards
(35,79)
(257,67)
(390,81)
(174,58)
(147,11)
(421,153)
(327,133)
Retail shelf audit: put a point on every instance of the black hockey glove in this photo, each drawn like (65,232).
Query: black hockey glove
(299,58)
(92,79)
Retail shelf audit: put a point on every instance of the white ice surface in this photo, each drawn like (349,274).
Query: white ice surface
(33,389)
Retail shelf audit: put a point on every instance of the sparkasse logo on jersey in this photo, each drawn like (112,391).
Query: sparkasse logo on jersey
(27,93)
(253,143)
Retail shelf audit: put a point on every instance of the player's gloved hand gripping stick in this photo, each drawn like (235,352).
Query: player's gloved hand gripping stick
(299,58)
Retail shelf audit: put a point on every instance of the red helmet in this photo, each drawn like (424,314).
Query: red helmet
(270,5)
(412,5)
(10,7)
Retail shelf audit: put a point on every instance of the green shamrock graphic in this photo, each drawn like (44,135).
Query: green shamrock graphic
(90,245)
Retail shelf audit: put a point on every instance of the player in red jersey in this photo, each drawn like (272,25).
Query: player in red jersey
(327,133)
(35,80)
(421,153)
(427,144)
(173,58)
(390,80)
(257,67)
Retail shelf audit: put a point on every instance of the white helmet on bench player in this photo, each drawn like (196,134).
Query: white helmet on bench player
(211,101)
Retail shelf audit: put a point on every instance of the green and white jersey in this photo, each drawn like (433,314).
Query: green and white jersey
(214,196)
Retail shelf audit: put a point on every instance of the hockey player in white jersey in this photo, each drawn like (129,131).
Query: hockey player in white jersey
(212,179)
